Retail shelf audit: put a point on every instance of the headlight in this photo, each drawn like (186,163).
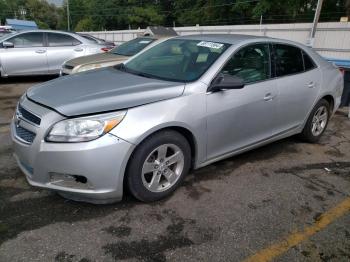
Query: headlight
(88,67)
(85,128)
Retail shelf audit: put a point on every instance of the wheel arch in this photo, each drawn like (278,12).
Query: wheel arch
(189,137)
(330,99)
(185,131)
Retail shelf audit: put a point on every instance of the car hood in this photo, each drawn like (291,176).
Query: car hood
(101,90)
(96,58)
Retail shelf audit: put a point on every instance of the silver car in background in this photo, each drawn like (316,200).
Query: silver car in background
(41,52)
(185,103)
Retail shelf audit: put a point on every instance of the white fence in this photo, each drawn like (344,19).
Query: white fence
(331,40)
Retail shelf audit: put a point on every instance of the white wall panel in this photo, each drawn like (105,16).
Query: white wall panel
(332,38)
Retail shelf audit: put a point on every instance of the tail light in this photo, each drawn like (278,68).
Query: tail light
(105,49)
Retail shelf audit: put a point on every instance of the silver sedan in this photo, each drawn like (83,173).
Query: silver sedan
(185,103)
(41,52)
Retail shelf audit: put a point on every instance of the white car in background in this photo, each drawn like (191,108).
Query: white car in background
(41,52)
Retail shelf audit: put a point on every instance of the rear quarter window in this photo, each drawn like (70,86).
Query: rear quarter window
(309,64)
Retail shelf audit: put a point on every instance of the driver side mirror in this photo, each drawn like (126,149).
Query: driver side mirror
(8,45)
(225,81)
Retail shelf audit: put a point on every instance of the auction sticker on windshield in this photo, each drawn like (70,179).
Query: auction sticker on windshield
(145,41)
(210,45)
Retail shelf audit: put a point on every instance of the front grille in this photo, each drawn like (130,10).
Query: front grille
(29,116)
(69,67)
(24,134)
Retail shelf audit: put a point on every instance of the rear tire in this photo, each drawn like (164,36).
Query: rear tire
(158,166)
(317,122)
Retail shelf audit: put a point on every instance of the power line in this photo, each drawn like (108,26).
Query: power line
(168,11)
(129,10)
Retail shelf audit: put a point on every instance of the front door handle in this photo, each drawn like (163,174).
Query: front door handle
(78,49)
(269,97)
(40,51)
(311,85)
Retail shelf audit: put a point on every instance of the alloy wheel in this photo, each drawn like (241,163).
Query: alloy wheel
(162,168)
(319,121)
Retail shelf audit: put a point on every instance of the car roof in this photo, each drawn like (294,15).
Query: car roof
(155,37)
(225,38)
(45,30)
(236,39)
(79,37)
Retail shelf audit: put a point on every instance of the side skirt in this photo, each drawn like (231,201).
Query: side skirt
(288,133)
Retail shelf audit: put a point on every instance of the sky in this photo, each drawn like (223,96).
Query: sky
(56,2)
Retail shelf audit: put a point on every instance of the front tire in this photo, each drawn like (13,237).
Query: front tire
(158,166)
(317,122)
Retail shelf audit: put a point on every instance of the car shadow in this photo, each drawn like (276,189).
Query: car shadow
(26,214)
(26,79)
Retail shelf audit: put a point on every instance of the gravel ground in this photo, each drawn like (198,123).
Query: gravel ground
(227,211)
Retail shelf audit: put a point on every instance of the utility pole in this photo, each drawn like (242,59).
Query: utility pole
(68,16)
(314,25)
(23,13)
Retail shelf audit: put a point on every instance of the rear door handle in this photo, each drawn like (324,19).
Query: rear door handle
(78,49)
(40,51)
(269,97)
(311,85)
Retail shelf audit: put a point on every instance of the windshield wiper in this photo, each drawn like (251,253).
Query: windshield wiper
(116,53)
(123,68)
(120,67)
(143,74)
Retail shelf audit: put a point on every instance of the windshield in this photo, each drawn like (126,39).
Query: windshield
(179,60)
(132,47)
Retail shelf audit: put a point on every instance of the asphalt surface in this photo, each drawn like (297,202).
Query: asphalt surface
(228,211)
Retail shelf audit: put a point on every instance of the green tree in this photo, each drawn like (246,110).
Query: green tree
(145,16)
(42,12)
(122,14)
(86,24)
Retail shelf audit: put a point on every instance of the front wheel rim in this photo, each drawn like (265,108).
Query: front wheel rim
(163,168)
(319,121)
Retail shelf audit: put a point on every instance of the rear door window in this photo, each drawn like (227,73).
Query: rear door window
(33,39)
(288,60)
(251,63)
(55,39)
